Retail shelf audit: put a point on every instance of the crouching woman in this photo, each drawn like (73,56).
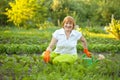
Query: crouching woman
(65,41)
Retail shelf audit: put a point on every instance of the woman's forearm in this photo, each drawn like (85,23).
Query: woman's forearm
(84,42)
(51,45)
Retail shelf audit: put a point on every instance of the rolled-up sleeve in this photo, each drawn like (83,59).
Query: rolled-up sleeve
(55,35)
(79,35)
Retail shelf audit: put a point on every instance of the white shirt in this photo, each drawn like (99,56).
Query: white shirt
(64,45)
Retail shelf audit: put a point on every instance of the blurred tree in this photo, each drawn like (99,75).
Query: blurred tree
(58,11)
(62,8)
(3,5)
(27,12)
(85,12)
(106,9)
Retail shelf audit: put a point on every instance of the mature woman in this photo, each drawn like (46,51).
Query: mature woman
(65,40)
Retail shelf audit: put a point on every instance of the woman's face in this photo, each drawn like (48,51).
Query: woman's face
(68,26)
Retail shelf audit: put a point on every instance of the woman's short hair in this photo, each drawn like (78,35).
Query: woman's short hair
(69,19)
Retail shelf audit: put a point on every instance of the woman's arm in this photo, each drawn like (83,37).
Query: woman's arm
(84,42)
(52,43)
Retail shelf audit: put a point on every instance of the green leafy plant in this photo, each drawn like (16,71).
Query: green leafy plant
(114,28)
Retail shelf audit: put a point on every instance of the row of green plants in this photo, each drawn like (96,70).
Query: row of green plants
(30,49)
(32,67)
(13,40)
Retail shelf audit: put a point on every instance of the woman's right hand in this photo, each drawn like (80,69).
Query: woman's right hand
(46,56)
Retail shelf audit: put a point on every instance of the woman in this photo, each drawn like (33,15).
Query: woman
(65,40)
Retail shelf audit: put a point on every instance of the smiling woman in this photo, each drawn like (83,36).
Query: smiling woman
(65,40)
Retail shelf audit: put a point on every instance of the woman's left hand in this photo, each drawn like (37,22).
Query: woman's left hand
(87,53)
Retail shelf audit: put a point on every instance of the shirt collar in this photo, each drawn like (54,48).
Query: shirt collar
(63,32)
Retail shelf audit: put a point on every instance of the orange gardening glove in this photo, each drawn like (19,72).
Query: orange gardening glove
(87,52)
(46,56)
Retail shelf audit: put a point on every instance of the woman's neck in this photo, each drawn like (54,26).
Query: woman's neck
(68,31)
(67,34)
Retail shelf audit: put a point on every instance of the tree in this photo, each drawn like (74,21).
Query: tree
(26,12)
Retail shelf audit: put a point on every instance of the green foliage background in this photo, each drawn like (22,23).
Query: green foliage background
(90,12)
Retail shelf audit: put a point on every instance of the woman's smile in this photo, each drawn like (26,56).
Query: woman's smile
(68,26)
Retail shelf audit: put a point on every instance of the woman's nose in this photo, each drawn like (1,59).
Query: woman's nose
(68,24)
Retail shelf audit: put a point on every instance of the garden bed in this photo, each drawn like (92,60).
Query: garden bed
(20,59)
